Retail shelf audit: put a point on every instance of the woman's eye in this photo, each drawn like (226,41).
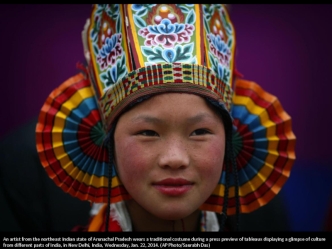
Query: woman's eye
(199,132)
(149,133)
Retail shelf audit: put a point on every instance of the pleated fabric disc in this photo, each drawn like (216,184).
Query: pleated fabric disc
(264,146)
(70,143)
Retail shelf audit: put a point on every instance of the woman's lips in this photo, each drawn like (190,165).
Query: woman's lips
(173,186)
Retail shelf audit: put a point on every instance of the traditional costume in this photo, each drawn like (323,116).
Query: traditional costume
(135,51)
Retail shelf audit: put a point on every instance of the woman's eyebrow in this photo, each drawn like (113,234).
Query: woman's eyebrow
(200,117)
(147,118)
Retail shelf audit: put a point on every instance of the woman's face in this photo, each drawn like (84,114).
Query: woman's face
(169,152)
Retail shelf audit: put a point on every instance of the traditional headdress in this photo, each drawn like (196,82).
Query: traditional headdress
(138,50)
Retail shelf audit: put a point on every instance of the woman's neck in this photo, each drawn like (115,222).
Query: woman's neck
(145,221)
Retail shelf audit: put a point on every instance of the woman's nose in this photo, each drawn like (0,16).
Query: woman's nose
(174,154)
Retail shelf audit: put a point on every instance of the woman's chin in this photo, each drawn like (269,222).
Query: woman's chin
(173,214)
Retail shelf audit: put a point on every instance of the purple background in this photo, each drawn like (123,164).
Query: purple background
(285,48)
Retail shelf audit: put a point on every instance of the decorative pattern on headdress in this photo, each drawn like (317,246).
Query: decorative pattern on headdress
(135,46)
(178,33)
(107,45)
(161,78)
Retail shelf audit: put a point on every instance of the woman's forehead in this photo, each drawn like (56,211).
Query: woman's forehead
(171,101)
(161,107)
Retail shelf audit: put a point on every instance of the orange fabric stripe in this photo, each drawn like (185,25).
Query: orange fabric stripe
(97,220)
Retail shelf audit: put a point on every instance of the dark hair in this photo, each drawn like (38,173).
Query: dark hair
(229,164)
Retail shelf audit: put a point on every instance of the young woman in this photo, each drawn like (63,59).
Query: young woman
(159,128)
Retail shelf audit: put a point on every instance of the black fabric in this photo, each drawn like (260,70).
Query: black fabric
(30,200)
(271,217)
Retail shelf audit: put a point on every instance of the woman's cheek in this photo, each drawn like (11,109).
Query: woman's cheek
(211,157)
(131,159)
(217,150)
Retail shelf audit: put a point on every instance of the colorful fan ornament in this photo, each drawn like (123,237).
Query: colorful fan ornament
(70,138)
(264,144)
